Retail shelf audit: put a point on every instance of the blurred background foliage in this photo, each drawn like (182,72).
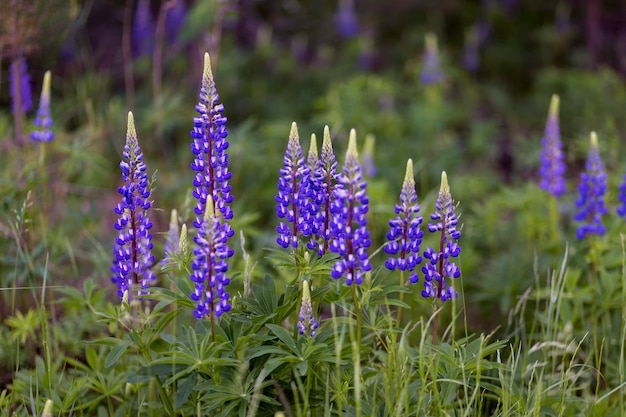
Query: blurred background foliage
(347,64)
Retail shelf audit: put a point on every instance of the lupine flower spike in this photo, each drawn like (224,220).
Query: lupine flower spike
(350,237)
(209,267)
(405,236)
(307,325)
(592,189)
(432,72)
(369,167)
(294,190)
(212,191)
(325,179)
(552,168)
(440,269)
(133,245)
(43,121)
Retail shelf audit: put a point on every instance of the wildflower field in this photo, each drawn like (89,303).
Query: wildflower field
(349,208)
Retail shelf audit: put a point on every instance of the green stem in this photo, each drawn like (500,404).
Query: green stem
(554,219)
(594,307)
(401,299)
(357,351)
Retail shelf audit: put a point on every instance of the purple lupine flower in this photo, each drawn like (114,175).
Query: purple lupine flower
(431,73)
(471,55)
(368,165)
(24,84)
(552,168)
(293,201)
(348,225)
(307,324)
(209,266)
(133,245)
(211,180)
(324,180)
(143,29)
(592,189)
(43,120)
(439,267)
(346,21)
(405,236)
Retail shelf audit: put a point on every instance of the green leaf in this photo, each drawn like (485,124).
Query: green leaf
(285,337)
(185,388)
(116,353)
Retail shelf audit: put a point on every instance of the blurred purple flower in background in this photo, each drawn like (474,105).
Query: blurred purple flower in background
(592,188)
(552,169)
(293,201)
(143,29)
(439,267)
(431,73)
(368,165)
(621,210)
(212,191)
(24,84)
(405,236)
(350,237)
(471,50)
(175,20)
(133,245)
(43,121)
(346,21)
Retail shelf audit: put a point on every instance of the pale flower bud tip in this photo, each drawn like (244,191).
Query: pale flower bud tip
(293,133)
(594,140)
(554,105)
(408,176)
(47,409)
(207,73)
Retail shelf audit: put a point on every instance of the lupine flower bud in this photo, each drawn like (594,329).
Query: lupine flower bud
(405,236)
(592,189)
(47,409)
(133,246)
(552,168)
(307,324)
(171,244)
(350,237)
(293,201)
(212,191)
(324,181)
(313,156)
(432,72)
(439,267)
(43,121)
(182,241)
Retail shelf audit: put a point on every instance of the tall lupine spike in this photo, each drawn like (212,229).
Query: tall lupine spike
(324,181)
(20,91)
(209,267)
(431,73)
(405,236)
(440,267)
(43,120)
(592,189)
(552,169)
(348,225)
(133,245)
(307,324)
(212,191)
(293,201)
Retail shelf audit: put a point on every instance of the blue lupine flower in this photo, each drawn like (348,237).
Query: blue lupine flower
(24,85)
(211,180)
(431,73)
(293,201)
(43,121)
(133,245)
(348,225)
(346,20)
(439,267)
(143,29)
(209,266)
(324,181)
(592,189)
(552,168)
(405,236)
(307,324)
